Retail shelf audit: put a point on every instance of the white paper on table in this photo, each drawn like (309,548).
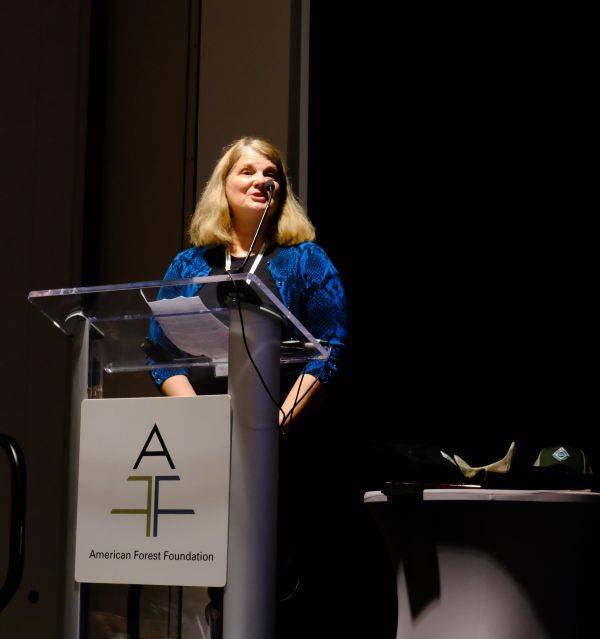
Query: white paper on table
(189,324)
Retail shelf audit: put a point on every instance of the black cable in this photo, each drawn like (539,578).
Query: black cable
(260,377)
(262,381)
(297,401)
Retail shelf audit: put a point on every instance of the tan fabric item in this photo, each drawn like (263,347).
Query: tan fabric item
(501,466)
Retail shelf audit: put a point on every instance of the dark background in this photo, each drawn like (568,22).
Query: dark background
(447,164)
(452,155)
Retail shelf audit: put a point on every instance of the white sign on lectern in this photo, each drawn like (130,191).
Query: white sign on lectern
(153,494)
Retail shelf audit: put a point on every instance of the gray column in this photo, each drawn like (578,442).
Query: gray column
(249,604)
(79,329)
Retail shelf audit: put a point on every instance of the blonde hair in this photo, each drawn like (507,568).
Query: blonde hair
(211,222)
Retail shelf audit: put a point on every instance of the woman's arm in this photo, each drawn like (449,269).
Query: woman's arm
(306,393)
(325,313)
(322,308)
(178,386)
(187,264)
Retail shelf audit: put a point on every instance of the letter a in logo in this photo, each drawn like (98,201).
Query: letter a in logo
(154,453)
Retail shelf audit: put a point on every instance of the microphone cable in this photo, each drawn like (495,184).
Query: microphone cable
(268,186)
(297,400)
(290,415)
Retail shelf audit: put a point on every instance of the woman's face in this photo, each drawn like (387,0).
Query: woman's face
(245,186)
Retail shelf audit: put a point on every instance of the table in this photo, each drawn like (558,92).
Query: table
(491,564)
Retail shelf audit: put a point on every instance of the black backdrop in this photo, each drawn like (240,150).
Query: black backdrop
(447,154)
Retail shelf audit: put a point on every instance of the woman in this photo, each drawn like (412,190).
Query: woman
(249,174)
(296,269)
(299,273)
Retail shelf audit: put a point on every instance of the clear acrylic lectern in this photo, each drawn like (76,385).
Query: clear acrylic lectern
(247,330)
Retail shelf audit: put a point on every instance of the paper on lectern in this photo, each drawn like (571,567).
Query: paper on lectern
(190,325)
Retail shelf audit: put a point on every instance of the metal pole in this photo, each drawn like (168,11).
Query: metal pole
(249,601)
(79,329)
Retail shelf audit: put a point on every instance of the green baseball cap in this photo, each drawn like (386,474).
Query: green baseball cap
(569,456)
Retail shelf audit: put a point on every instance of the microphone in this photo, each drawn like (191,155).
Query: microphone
(269,186)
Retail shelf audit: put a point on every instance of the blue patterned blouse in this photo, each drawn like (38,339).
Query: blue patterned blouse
(309,286)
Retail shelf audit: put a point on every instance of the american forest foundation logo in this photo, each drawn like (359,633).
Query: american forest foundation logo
(153,491)
(152,509)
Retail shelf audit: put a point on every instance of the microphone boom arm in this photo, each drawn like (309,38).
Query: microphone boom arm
(268,187)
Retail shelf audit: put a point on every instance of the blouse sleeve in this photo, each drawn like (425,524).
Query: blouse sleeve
(177,270)
(326,310)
